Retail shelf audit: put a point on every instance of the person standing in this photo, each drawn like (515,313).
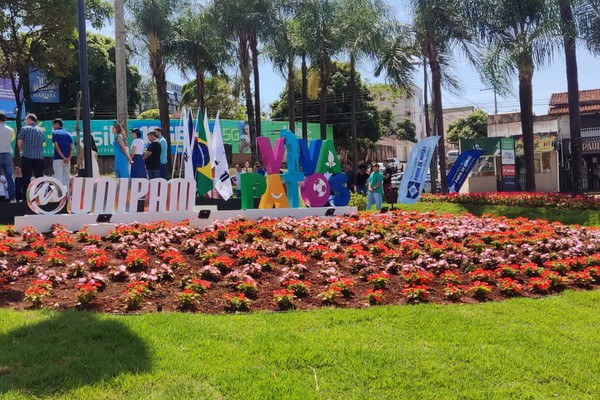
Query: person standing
(375,187)
(63,151)
(388,171)
(163,153)
(361,179)
(350,174)
(237,179)
(122,158)
(30,142)
(6,156)
(152,156)
(81,161)
(138,169)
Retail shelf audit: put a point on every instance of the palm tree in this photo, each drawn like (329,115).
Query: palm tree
(517,36)
(200,48)
(569,34)
(152,25)
(363,28)
(439,25)
(319,25)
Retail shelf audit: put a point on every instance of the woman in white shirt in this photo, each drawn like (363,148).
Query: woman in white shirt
(138,169)
(81,161)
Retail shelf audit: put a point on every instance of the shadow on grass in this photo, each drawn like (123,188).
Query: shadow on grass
(67,351)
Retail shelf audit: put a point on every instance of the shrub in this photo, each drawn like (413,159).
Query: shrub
(236,302)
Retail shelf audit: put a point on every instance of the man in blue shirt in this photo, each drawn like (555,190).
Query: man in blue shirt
(30,143)
(63,151)
(163,153)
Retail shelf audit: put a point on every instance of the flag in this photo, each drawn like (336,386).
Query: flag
(417,166)
(189,134)
(222,178)
(209,139)
(461,168)
(204,177)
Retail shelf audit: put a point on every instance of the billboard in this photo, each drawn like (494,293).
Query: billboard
(8,104)
(42,90)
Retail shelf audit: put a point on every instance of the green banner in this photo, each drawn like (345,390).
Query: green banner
(490,146)
(233,132)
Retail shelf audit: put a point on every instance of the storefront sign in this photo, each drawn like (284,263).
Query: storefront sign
(589,145)
(509,181)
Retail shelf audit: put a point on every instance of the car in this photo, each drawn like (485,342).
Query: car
(396,178)
(395,164)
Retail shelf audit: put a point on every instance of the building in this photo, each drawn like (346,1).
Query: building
(401,105)
(589,107)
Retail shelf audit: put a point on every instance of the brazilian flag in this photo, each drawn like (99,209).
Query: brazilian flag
(201,158)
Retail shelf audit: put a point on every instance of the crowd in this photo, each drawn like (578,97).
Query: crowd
(371,182)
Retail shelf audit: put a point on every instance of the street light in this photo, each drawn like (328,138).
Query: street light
(85,88)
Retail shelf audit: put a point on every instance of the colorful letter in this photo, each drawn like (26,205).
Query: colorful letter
(309,158)
(341,193)
(271,160)
(328,159)
(275,193)
(315,190)
(253,185)
(291,180)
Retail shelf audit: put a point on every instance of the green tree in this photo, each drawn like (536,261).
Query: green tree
(153,26)
(472,126)
(403,130)
(101,64)
(200,48)
(338,108)
(33,32)
(219,96)
(517,36)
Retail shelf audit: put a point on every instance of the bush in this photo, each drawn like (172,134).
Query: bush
(358,200)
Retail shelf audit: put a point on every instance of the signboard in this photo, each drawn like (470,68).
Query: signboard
(489,146)
(507,146)
(230,130)
(8,104)
(589,145)
(542,141)
(43,90)
(509,179)
(413,180)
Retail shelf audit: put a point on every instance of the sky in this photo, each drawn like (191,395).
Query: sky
(546,80)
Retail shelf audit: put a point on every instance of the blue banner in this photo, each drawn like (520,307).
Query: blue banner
(417,167)
(461,168)
(41,89)
(8,104)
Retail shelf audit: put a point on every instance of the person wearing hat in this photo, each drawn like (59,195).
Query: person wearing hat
(375,188)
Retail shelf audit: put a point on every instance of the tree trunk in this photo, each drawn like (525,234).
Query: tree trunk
(353,113)
(255,72)
(526,102)
(17,88)
(292,95)
(324,80)
(568,31)
(163,106)
(244,57)
(304,98)
(200,86)
(438,111)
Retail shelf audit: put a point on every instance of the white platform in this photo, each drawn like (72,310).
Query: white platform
(73,222)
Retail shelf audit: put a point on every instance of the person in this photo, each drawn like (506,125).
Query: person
(350,174)
(63,151)
(122,158)
(163,153)
(237,179)
(20,187)
(375,187)
(6,156)
(244,146)
(152,156)
(387,180)
(361,179)
(30,143)
(4,197)
(138,169)
(81,161)
(259,169)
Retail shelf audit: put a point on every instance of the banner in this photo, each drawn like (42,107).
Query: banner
(104,138)
(461,168)
(41,89)
(8,104)
(416,170)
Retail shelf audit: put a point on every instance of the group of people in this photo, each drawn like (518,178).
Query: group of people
(373,183)
(140,161)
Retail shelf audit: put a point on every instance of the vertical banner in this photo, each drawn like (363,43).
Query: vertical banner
(222,179)
(509,176)
(461,168)
(417,167)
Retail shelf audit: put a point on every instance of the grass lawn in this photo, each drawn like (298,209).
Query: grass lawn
(517,349)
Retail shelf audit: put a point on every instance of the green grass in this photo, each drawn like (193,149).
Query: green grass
(570,217)
(518,349)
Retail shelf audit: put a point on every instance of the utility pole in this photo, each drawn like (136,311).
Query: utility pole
(121,64)
(495,98)
(85,88)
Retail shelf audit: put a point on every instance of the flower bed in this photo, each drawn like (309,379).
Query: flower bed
(284,264)
(520,199)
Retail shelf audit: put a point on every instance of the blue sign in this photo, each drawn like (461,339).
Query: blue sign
(8,104)
(461,168)
(417,167)
(42,89)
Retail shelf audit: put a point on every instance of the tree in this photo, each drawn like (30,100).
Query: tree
(338,108)
(200,48)
(152,25)
(439,25)
(472,126)
(219,96)
(101,64)
(319,25)
(33,32)
(403,130)
(517,36)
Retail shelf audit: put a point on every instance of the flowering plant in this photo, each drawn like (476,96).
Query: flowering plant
(187,299)
(224,264)
(374,296)
(418,277)
(453,292)
(538,284)
(449,277)
(379,281)
(510,287)
(416,293)
(137,259)
(135,293)
(284,298)
(582,278)
(25,257)
(248,287)
(236,302)
(328,296)
(482,275)
(480,290)
(86,292)
(3,284)
(198,286)
(342,285)
(300,288)
(56,256)
(37,291)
